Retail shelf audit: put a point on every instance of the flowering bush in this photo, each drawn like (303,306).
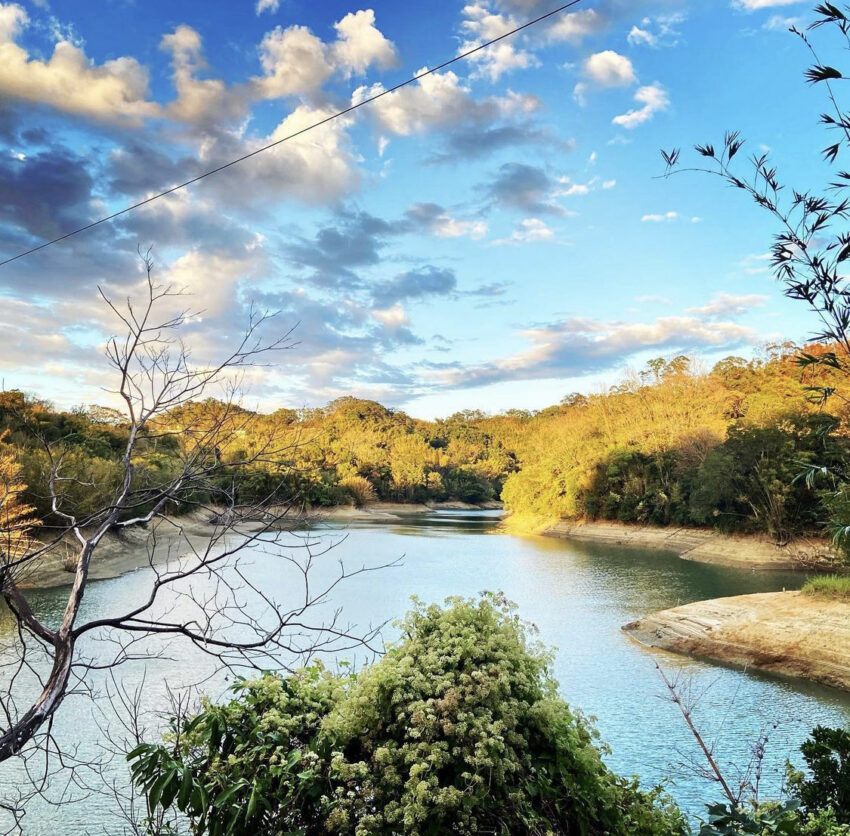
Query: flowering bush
(458,729)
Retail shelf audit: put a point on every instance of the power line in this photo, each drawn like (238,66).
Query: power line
(297,133)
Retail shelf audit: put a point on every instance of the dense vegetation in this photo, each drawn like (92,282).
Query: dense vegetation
(457,729)
(350,451)
(670,445)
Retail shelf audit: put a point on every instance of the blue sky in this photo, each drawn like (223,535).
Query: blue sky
(495,236)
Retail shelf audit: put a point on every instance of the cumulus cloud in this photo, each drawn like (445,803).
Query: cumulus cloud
(297,62)
(605,69)
(212,280)
(574,27)
(609,69)
(480,24)
(199,101)
(653,98)
(267,6)
(728,305)
(294,62)
(360,44)
(528,231)
(69,81)
(317,168)
(579,346)
(439,100)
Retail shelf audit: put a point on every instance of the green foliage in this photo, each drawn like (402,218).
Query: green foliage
(730,449)
(827,756)
(459,728)
(832,587)
(764,820)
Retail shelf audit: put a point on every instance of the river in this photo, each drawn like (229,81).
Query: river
(579,595)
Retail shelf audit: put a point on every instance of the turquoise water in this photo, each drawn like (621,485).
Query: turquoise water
(578,595)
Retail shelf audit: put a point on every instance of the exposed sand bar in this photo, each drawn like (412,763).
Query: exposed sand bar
(119,553)
(788,633)
(704,545)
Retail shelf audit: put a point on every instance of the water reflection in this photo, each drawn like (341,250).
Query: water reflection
(579,595)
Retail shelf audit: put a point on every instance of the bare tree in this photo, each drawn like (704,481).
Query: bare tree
(197,591)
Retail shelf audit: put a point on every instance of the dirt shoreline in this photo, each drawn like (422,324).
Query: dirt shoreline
(128,550)
(705,545)
(788,633)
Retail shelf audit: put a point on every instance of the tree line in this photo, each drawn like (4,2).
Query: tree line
(671,444)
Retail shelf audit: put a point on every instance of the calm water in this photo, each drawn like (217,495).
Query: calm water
(578,595)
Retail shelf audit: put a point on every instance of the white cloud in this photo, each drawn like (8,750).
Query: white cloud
(778,23)
(115,91)
(657,32)
(479,24)
(570,189)
(438,100)
(752,5)
(294,62)
(360,44)
(638,36)
(448,227)
(199,101)
(609,69)
(297,62)
(755,264)
(319,167)
(211,280)
(575,26)
(267,6)
(728,305)
(13,19)
(656,219)
(654,99)
(528,231)
(609,184)
(604,69)
(393,317)
(579,346)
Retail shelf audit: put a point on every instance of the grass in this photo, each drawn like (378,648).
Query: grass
(833,587)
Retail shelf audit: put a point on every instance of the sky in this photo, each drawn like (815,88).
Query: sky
(496,235)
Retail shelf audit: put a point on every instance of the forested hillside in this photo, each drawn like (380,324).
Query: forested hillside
(672,444)
(729,448)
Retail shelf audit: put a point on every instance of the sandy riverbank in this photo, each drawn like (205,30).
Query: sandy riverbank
(704,545)
(125,551)
(788,633)
(388,511)
(120,553)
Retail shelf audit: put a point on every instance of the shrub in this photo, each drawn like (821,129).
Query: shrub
(360,488)
(827,756)
(459,728)
(833,587)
